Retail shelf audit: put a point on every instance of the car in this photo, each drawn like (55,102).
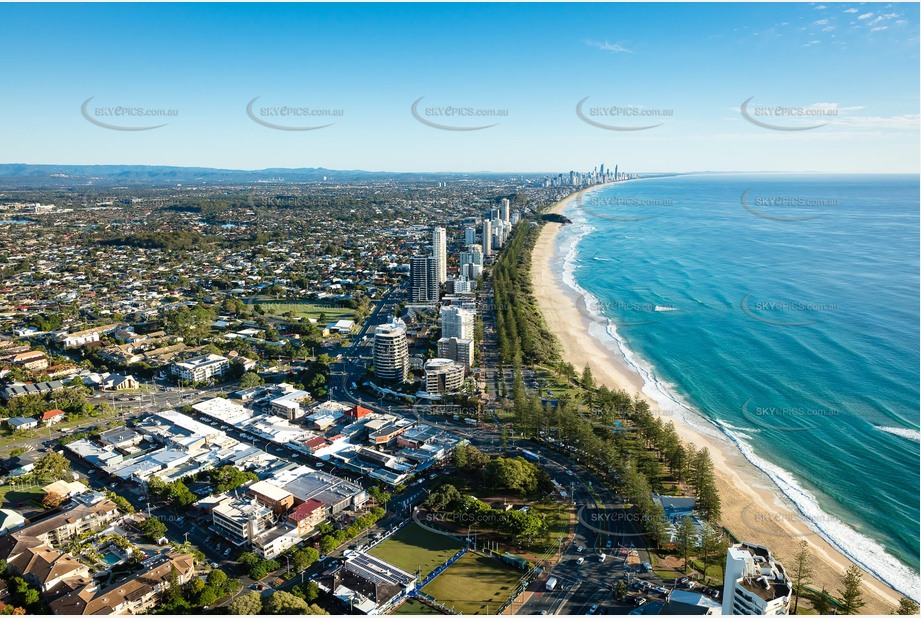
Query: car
(608,544)
(214,565)
(640,601)
(580,549)
(592,609)
(602,557)
(226,552)
(580,560)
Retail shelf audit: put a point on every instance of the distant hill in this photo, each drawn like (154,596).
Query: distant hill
(21,175)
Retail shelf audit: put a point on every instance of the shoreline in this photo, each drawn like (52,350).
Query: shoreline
(754,508)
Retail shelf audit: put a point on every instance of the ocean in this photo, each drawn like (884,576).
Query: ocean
(784,310)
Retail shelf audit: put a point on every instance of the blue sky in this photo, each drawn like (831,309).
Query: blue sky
(852,66)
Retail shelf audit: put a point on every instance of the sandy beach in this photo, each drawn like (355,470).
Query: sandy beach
(753,507)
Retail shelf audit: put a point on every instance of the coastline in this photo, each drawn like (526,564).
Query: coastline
(753,507)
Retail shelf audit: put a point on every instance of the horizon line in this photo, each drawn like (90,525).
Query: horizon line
(480,172)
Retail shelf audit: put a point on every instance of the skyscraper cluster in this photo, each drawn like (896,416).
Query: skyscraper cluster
(586,179)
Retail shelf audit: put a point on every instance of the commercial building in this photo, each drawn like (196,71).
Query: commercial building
(241,520)
(307,516)
(754,583)
(469,235)
(391,354)
(272,496)
(334,493)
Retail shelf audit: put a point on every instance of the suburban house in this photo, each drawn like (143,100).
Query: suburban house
(51,417)
(21,422)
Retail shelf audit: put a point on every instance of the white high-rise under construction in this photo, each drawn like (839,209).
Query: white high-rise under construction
(440,253)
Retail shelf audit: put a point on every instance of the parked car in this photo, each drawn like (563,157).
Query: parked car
(580,560)
(580,549)
(592,609)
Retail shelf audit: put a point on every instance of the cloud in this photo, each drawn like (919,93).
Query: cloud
(878,28)
(865,16)
(811,43)
(820,22)
(617,48)
(821,7)
(902,121)
(852,10)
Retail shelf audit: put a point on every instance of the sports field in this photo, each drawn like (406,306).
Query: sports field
(414,548)
(306,309)
(474,585)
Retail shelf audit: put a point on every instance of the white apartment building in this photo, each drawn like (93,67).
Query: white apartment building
(457,322)
(487,237)
(754,583)
(443,376)
(440,253)
(391,354)
(201,368)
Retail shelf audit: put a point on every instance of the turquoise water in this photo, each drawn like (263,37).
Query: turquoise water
(784,308)
(111,559)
